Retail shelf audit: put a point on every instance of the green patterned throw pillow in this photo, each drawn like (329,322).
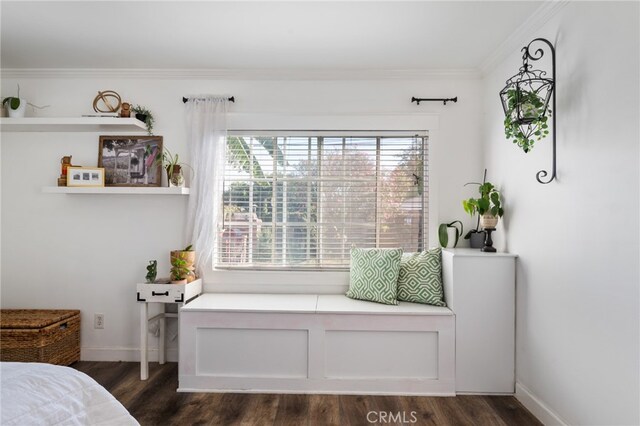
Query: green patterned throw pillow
(420,278)
(374,275)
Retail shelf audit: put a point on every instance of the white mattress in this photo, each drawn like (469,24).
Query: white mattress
(44,394)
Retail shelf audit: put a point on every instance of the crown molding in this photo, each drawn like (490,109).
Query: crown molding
(243,74)
(541,16)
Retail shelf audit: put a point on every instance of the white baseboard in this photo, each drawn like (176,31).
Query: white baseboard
(538,408)
(124,354)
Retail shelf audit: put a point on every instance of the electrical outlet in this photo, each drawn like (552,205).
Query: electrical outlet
(98,321)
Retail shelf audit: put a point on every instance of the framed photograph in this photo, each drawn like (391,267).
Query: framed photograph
(85,176)
(131,160)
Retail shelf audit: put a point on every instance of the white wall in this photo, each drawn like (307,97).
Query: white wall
(577,278)
(87,252)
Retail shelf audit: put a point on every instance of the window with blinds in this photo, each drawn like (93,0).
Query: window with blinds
(303,202)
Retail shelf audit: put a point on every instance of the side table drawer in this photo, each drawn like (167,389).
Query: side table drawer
(168,293)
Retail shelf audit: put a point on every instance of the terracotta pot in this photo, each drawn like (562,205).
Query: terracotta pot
(488,221)
(179,281)
(187,256)
(190,259)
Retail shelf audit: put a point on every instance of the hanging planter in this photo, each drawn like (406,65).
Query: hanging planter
(526,117)
(526,100)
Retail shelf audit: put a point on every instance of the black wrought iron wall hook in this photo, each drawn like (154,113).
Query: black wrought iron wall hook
(537,82)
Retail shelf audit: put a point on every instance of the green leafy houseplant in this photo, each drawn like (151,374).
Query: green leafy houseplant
(179,269)
(143,114)
(488,203)
(152,271)
(171,163)
(443,234)
(526,118)
(476,236)
(13,103)
(187,259)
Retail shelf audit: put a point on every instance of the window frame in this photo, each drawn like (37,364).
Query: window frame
(325,282)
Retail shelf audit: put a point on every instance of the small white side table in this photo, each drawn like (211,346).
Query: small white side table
(162,294)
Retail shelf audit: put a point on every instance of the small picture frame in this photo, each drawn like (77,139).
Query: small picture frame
(131,160)
(85,176)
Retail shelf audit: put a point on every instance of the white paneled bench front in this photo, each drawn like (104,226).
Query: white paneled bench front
(302,343)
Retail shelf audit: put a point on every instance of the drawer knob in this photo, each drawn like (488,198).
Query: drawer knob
(158,293)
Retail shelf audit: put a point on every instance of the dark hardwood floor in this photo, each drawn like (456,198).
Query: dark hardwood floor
(156,402)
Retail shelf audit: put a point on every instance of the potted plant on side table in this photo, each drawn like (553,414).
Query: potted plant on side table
(188,256)
(179,271)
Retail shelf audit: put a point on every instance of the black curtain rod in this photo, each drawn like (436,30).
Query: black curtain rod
(231,99)
(443,100)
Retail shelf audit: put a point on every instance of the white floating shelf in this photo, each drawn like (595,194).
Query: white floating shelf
(129,190)
(71,124)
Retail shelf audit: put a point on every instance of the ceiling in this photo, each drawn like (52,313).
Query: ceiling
(353,35)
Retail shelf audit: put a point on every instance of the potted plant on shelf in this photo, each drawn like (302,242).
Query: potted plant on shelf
(171,163)
(16,106)
(526,118)
(443,233)
(144,115)
(188,255)
(488,206)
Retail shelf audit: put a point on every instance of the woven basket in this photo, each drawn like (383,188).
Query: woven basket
(39,335)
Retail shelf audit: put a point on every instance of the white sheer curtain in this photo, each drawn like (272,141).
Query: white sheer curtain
(207,122)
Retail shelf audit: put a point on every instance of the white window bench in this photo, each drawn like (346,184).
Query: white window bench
(315,344)
(303,343)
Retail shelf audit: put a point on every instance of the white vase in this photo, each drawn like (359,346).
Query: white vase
(17,113)
(451,233)
(488,221)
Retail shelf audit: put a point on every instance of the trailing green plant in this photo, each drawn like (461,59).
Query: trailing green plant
(152,271)
(526,118)
(14,102)
(149,120)
(188,248)
(443,235)
(179,270)
(488,203)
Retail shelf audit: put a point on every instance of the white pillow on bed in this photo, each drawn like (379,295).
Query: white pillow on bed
(44,394)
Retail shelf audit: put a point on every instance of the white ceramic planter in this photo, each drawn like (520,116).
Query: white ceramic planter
(488,221)
(17,113)
(451,233)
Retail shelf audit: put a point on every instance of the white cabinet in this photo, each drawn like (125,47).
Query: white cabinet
(480,290)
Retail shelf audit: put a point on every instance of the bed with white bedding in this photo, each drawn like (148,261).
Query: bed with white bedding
(44,394)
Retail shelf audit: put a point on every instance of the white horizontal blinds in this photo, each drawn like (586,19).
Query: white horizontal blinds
(303,202)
